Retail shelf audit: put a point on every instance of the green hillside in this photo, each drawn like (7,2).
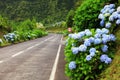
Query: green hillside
(46,11)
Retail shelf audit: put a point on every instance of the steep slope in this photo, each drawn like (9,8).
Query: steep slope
(46,11)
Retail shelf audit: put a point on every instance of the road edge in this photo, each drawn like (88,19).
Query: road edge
(52,75)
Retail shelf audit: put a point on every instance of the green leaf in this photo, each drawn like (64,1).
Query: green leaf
(101,66)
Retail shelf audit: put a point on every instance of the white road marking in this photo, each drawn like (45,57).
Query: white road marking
(17,53)
(1,61)
(52,75)
(31,47)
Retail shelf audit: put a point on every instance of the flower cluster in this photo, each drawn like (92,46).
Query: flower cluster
(81,34)
(106,12)
(115,16)
(105,58)
(75,50)
(92,52)
(101,36)
(10,37)
(72,65)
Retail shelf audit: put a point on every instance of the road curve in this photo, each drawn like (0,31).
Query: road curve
(31,60)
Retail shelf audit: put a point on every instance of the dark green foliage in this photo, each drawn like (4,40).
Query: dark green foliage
(4,24)
(87,14)
(46,11)
(69,21)
(12,31)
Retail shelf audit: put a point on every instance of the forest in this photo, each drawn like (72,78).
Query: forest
(45,11)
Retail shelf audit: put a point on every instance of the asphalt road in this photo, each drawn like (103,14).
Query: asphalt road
(31,60)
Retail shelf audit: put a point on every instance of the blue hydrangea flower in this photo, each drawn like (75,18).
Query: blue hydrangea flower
(108,60)
(108,25)
(91,39)
(88,57)
(70,35)
(105,31)
(105,58)
(92,54)
(101,16)
(102,22)
(106,6)
(75,50)
(119,16)
(92,50)
(98,31)
(118,9)
(81,34)
(74,36)
(97,35)
(111,18)
(112,6)
(112,37)
(97,41)
(88,32)
(111,11)
(87,42)
(102,10)
(72,65)
(106,38)
(104,48)
(118,22)
(82,48)
(115,15)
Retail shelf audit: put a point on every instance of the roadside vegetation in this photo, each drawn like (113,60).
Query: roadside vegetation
(92,48)
(15,32)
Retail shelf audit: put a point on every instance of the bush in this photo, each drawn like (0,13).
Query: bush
(86,15)
(89,52)
(89,57)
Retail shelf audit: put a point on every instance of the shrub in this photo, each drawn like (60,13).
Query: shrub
(11,37)
(86,15)
(89,52)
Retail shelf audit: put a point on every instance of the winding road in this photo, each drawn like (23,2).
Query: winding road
(31,60)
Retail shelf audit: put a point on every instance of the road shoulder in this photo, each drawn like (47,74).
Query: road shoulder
(60,72)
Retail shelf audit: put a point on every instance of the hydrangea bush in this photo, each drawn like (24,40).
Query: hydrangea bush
(86,15)
(89,52)
(23,36)
(10,37)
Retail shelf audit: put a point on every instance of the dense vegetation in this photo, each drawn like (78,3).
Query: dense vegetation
(14,32)
(46,11)
(90,51)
